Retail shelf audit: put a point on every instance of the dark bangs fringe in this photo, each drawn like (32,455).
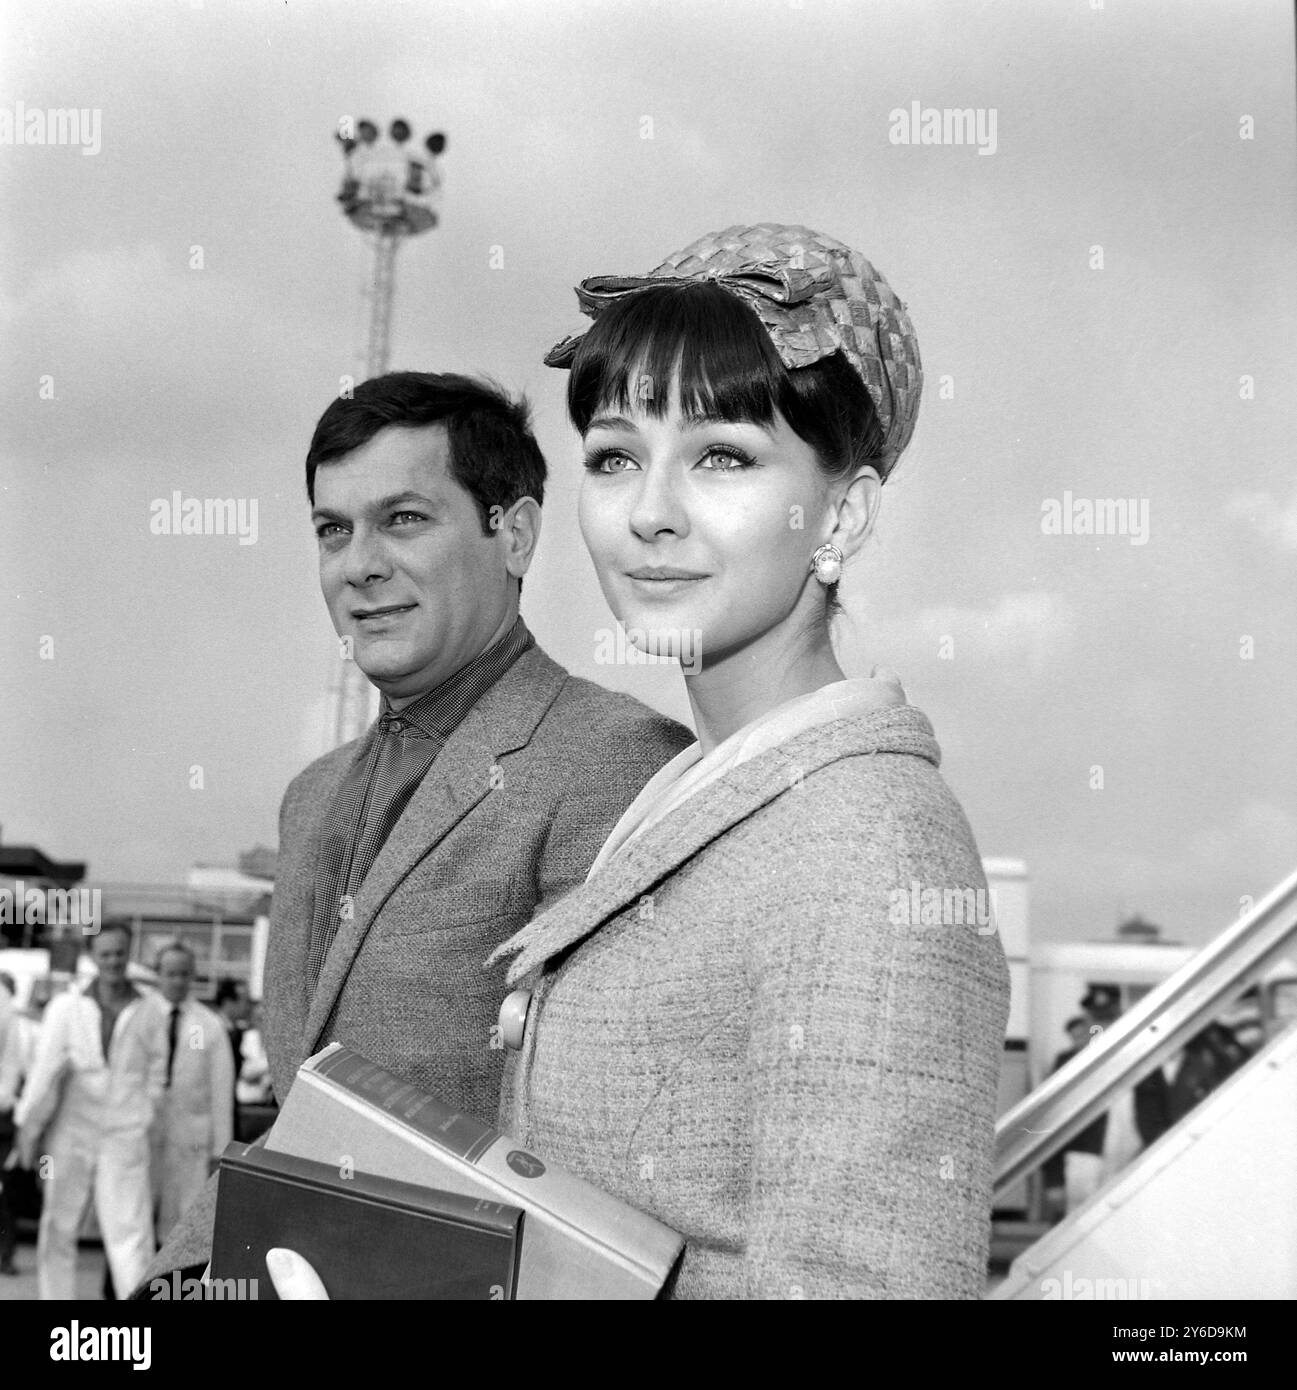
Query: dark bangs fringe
(727,368)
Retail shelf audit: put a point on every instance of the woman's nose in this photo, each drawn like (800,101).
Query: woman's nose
(658,505)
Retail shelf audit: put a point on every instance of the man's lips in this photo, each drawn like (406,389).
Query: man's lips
(363,614)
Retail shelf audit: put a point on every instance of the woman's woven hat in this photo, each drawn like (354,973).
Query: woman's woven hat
(815,297)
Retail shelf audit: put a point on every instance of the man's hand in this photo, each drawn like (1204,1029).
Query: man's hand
(293,1278)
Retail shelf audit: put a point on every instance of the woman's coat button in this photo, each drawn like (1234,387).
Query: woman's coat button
(513,1018)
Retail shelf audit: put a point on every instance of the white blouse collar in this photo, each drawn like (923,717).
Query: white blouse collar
(689,770)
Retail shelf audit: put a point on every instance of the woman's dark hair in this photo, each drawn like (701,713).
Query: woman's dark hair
(726,367)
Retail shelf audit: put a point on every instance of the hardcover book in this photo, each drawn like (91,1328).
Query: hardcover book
(578,1242)
(367,1237)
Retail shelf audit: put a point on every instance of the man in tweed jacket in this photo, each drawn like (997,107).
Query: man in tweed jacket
(488,785)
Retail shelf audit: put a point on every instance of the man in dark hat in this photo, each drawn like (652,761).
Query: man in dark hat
(1095,1154)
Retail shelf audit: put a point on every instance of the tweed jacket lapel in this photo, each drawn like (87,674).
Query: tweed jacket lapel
(292,914)
(504,719)
(702,818)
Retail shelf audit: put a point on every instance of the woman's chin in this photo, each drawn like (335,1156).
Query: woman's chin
(661,634)
(686,628)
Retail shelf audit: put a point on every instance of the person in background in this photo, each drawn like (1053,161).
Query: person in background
(17,1187)
(234,1006)
(254,1086)
(195,1120)
(1079,1032)
(1208,1058)
(8,1007)
(84,1118)
(1142,1114)
(11,1069)
(1246,1021)
(1135,1119)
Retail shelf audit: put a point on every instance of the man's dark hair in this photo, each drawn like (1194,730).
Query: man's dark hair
(116,924)
(227,988)
(493,454)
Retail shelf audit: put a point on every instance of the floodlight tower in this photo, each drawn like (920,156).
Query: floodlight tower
(391,191)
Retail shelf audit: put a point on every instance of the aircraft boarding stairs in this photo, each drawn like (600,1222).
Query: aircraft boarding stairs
(1209,1211)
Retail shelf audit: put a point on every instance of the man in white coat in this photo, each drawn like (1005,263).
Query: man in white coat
(194,1123)
(84,1116)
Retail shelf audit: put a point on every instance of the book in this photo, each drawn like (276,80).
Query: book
(366,1236)
(579,1242)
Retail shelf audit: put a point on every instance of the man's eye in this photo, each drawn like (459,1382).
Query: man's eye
(411,516)
(327,530)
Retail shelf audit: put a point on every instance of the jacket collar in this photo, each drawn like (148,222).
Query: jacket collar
(88,991)
(503,719)
(704,817)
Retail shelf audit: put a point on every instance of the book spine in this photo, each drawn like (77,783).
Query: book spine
(458,1133)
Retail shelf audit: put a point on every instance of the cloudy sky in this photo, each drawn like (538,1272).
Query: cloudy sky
(1106,305)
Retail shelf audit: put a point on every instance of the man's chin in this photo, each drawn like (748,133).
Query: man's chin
(393,678)
(382,666)
(381,672)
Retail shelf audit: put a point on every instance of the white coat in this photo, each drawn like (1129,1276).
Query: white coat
(16,1053)
(89,1116)
(195,1119)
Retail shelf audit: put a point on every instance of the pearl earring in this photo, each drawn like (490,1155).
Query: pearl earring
(827,563)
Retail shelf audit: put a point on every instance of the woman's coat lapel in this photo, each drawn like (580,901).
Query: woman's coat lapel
(655,854)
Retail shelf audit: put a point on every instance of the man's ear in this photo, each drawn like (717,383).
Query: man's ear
(521,528)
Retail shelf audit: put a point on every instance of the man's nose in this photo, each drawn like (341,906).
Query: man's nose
(366,560)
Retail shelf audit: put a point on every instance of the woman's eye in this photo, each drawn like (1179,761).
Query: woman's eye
(607,461)
(726,460)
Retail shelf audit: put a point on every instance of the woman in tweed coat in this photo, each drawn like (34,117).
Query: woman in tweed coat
(773,1016)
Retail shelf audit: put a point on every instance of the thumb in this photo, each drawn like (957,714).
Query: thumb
(293,1278)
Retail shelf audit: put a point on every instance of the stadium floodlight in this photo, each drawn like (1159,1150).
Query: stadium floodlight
(389,193)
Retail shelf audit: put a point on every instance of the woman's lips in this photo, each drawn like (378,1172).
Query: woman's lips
(663,588)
